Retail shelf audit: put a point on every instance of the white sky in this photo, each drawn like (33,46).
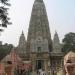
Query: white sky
(61,16)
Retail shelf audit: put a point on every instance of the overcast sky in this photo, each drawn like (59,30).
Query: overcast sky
(61,16)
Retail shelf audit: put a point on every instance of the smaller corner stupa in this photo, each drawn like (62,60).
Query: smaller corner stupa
(56,43)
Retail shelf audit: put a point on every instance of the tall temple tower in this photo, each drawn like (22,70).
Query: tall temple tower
(39,25)
(39,43)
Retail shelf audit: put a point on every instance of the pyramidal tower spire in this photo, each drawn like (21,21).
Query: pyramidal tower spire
(56,43)
(38,0)
(21,48)
(22,40)
(56,38)
(22,33)
(39,25)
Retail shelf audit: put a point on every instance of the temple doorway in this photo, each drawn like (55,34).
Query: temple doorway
(39,64)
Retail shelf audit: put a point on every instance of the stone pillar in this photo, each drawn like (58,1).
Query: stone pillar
(49,68)
(46,66)
(33,67)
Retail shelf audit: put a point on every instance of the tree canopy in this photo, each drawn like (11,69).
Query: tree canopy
(69,42)
(4,19)
(5,49)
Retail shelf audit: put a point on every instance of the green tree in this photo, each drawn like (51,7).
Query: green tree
(4,50)
(4,19)
(69,42)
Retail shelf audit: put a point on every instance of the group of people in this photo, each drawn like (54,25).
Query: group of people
(22,69)
(69,66)
(41,72)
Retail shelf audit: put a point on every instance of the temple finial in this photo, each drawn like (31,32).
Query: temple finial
(39,0)
(22,32)
(56,32)
(56,38)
